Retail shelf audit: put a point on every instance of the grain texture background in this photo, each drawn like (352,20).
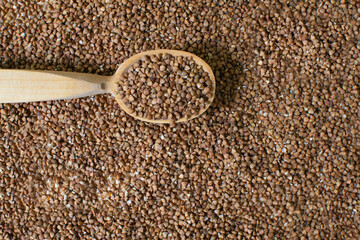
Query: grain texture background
(275,157)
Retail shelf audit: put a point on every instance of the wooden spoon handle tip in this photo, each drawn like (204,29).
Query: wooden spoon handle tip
(29,85)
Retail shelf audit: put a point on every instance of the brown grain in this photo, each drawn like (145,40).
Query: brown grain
(276,156)
(163,86)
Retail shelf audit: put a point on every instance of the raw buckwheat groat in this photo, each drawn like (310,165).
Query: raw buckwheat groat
(165,87)
(276,156)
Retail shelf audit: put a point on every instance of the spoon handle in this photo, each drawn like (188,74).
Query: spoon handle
(29,85)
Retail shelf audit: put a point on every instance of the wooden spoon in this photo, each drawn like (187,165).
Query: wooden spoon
(30,85)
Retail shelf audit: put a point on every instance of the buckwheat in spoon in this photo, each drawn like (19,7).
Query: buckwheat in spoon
(158,86)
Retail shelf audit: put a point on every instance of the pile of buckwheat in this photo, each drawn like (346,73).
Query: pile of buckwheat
(167,87)
(276,156)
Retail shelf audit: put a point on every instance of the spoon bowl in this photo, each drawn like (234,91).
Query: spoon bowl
(129,62)
(33,85)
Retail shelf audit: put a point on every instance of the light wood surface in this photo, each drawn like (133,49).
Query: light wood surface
(30,85)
